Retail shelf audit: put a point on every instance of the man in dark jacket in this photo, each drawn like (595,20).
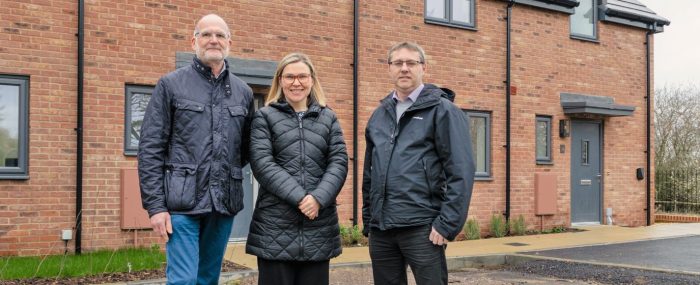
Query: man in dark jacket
(418,174)
(193,141)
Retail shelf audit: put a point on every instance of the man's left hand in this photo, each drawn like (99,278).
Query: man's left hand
(437,238)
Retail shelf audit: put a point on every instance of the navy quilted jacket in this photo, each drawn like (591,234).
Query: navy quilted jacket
(194,140)
(292,157)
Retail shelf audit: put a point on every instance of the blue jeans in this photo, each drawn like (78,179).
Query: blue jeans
(393,249)
(196,248)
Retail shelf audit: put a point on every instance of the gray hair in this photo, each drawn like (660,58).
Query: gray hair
(196,25)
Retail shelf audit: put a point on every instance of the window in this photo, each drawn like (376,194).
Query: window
(14,119)
(480,131)
(543,138)
(583,21)
(458,13)
(137,98)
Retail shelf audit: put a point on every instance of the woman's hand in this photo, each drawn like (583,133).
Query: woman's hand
(309,206)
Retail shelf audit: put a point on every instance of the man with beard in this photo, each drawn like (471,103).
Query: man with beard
(194,143)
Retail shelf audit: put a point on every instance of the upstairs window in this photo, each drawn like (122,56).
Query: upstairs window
(459,13)
(583,21)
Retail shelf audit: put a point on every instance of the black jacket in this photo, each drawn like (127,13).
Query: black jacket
(292,157)
(420,171)
(193,141)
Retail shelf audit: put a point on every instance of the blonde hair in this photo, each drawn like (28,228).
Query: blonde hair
(275,93)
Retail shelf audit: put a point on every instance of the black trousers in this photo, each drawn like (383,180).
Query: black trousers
(274,272)
(393,249)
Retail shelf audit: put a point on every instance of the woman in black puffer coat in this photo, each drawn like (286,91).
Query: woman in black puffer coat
(298,155)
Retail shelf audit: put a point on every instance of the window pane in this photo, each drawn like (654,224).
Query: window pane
(9,126)
(583,21)
(477,127)
(542,147)
(435,8)
(462,11)
(138,104)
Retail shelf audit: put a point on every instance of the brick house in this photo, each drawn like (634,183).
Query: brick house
(557,103)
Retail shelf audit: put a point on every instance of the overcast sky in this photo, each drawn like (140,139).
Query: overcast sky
(677,49)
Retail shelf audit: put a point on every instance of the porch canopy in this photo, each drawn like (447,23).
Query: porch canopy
(575,104)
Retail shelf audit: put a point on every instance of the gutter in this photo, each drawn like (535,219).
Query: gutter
(356,31)
(509,14)
(648,119)
(79,131)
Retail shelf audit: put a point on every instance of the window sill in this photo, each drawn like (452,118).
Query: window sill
(483,178)
(14,177)
(463,27)
(544,163)
(585,39)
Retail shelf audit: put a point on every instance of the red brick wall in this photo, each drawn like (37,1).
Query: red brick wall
(136,42)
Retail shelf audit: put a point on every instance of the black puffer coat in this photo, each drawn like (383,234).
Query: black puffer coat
(292,157)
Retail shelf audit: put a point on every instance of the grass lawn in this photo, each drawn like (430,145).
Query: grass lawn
(90,263)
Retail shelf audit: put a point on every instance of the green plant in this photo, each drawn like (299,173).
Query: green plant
(472,230)
(517,226)
(555,230)
(357,235)
(498,226)
(558,229)
(92,263)
(352,236)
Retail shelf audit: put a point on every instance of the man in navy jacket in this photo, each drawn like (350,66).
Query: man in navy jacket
(418,174)
(194,143)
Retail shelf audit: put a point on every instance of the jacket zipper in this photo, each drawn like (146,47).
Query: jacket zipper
(303,184)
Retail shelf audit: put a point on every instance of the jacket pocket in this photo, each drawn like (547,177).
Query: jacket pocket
(237,111)
(181,186)
(233,198)
(184,104)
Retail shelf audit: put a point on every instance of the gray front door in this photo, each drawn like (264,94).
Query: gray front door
(586,171)
(241,222)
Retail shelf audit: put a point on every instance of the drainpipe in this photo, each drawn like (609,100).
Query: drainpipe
(79,131)
(648,118)
(509,14)
(356,31)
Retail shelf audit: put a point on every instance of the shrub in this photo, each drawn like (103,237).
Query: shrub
(472,230)
(518,227)
(498,226)
(351,236)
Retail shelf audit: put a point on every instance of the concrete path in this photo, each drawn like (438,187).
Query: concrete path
(592,235)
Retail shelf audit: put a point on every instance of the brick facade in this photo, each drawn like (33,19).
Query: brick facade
(135,42)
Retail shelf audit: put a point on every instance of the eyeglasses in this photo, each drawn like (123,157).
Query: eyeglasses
(303,78)
(220,36)
(409,63)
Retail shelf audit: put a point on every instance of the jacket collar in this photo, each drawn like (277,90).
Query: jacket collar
(283,106)
(429,96)
(205,70)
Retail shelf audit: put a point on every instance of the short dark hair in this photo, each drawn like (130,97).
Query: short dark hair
(409,46)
